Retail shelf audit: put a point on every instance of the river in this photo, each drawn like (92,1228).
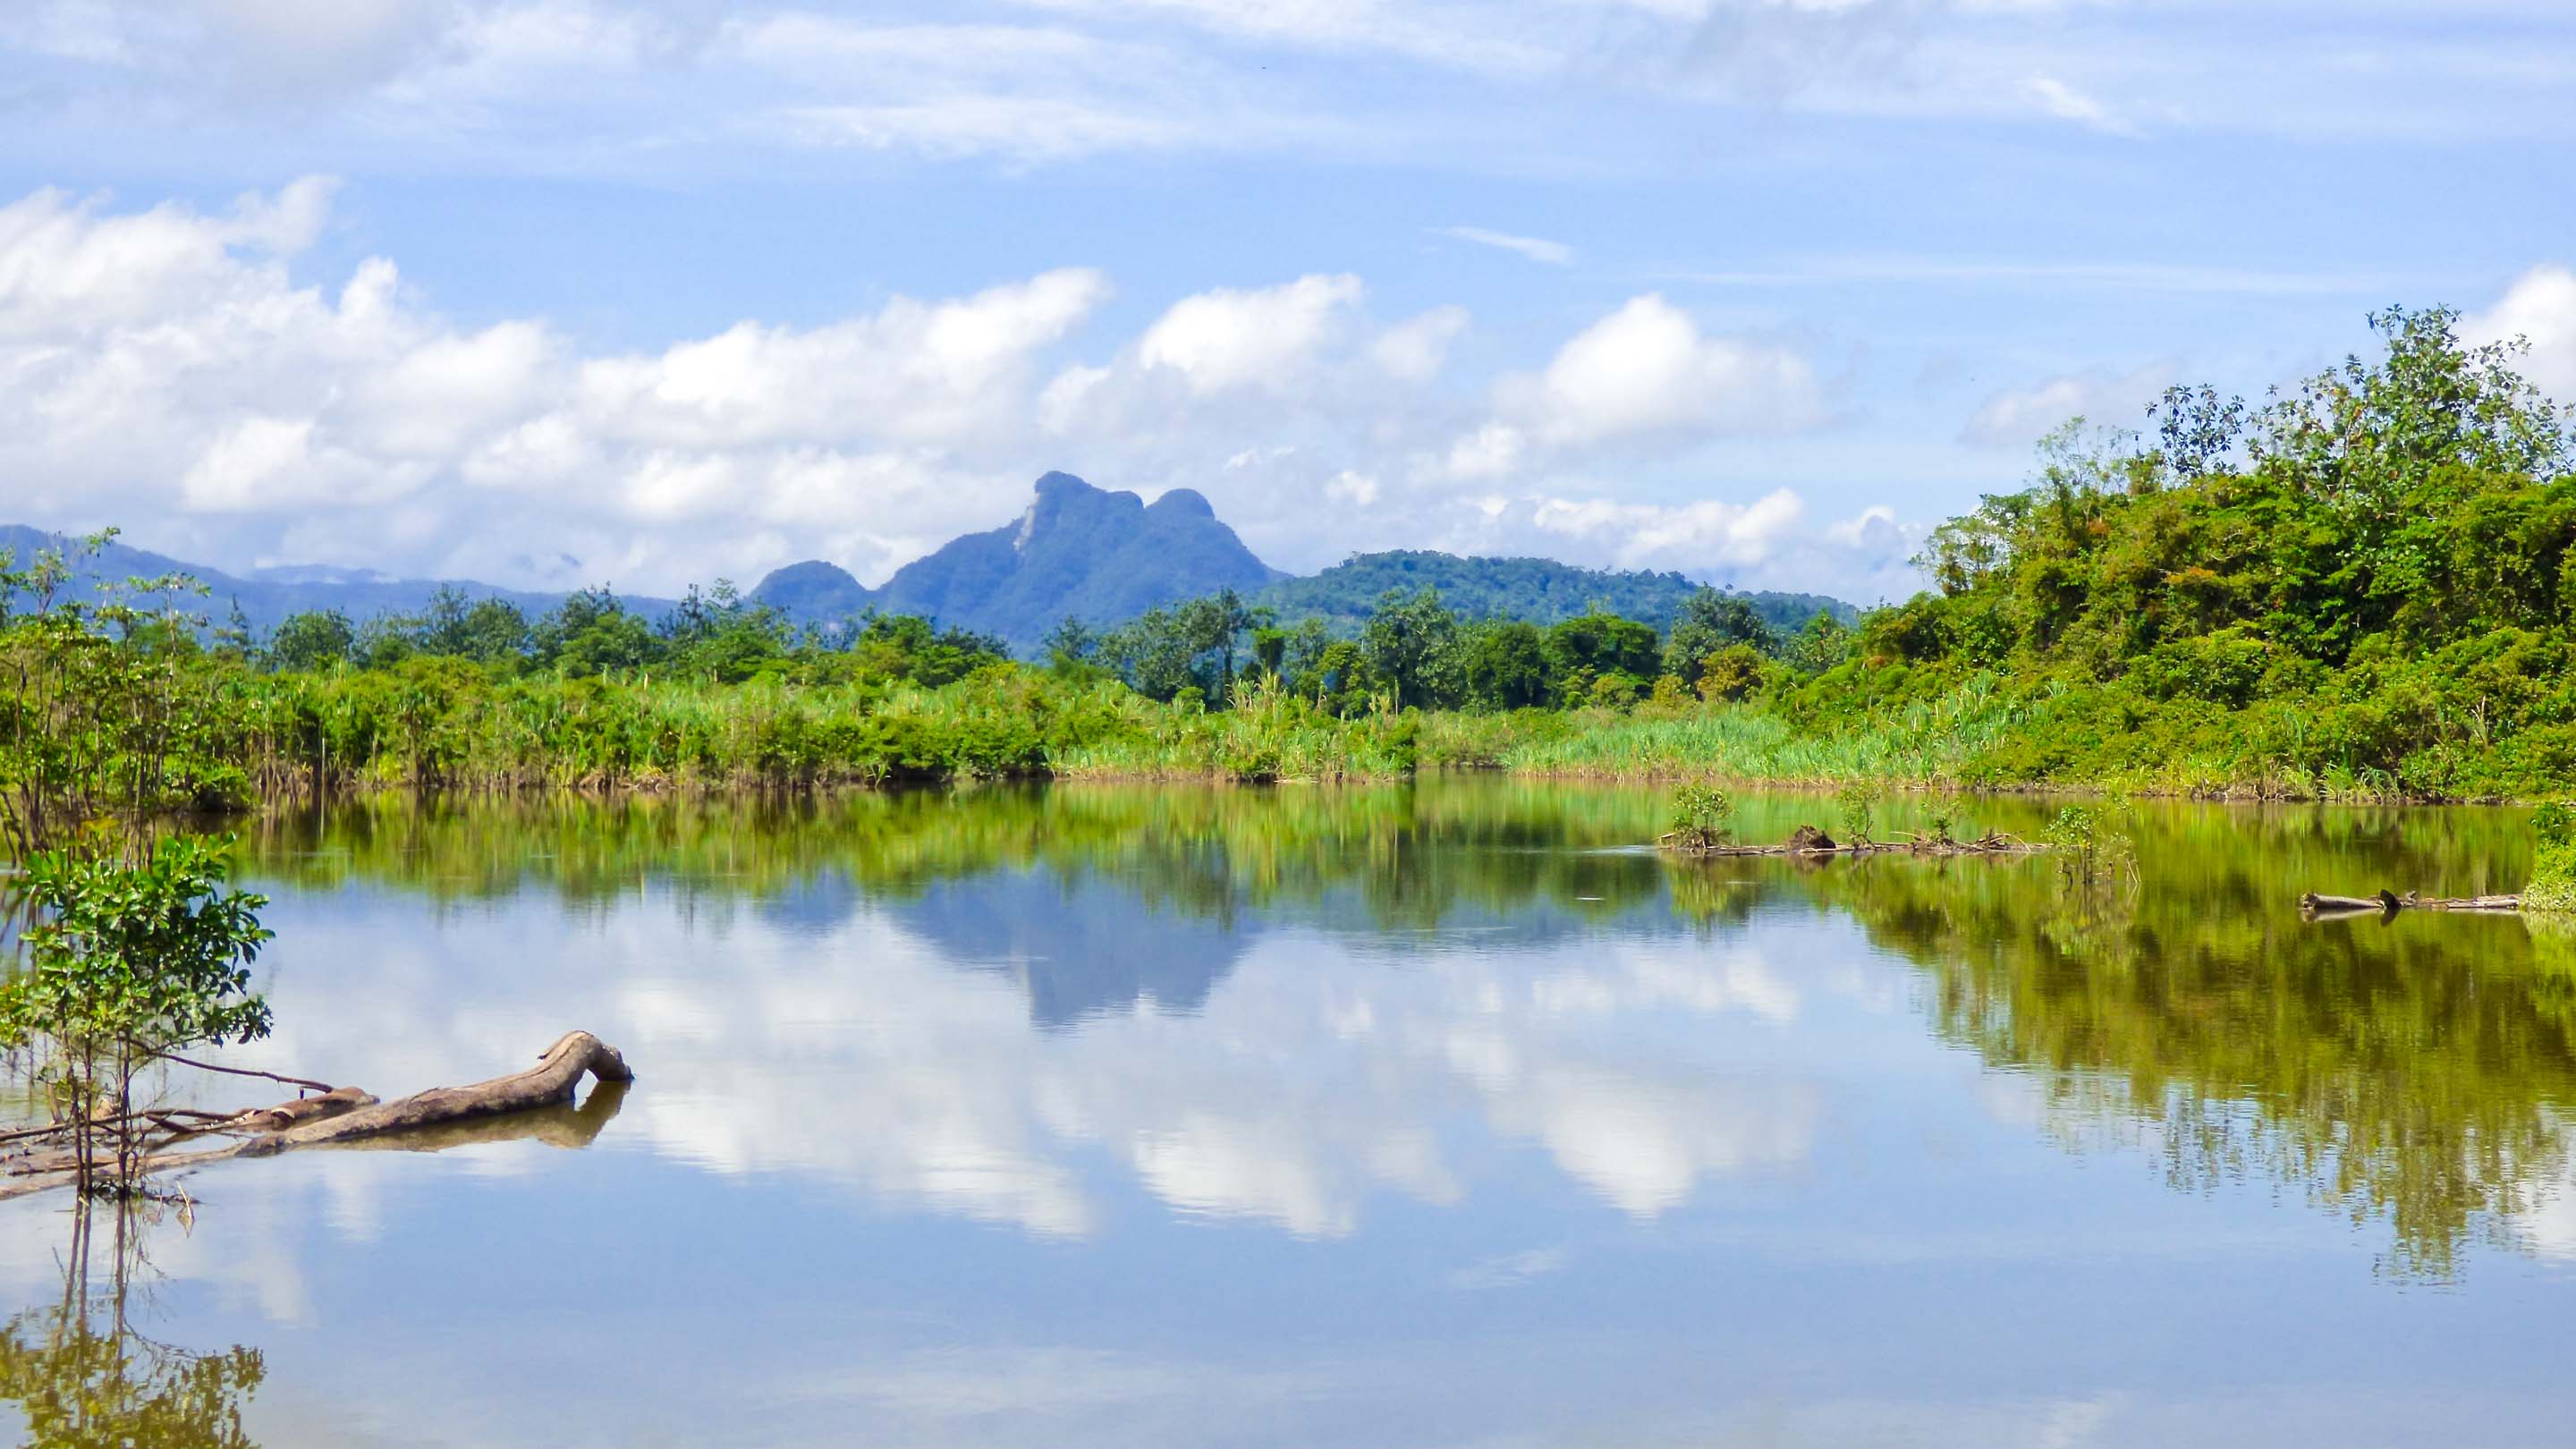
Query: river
(1435,1115)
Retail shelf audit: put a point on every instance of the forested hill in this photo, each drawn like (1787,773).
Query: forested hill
(1540,590)
(268,596)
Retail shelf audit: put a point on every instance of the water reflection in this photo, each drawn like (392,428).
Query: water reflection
(852,949)
(2413,1070)
(78,1372)
(1433,1116)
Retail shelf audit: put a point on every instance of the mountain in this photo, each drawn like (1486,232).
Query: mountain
(1540,590)
(268,595)
(1078,552)
(814,592)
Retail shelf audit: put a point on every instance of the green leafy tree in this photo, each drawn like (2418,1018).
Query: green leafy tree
(310,641)
(1410,641)
(1710,620)
(1590,647)
(592,632)
(1506,665)
(125,965)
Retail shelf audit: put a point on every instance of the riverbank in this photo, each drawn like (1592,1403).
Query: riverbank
(441,725)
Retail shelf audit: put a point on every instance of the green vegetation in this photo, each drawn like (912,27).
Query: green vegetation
(2553,859)
(2362,589)
(1701,816)
(128,963)
(1538,590)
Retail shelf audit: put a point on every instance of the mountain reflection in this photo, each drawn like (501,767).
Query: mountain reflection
(1189,957)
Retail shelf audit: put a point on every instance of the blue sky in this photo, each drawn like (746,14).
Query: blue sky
(549,292)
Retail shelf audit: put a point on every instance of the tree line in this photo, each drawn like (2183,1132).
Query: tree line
(1412,651)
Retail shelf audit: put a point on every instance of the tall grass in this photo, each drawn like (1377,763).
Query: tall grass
(1927,742)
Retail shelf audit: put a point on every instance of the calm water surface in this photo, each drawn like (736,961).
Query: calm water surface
(1428,1116)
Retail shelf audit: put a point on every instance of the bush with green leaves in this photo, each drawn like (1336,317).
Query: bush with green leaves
(127,963)
(1703,816)
(2553,858)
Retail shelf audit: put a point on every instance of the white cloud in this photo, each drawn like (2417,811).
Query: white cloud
(1228,339)
(2540,307)
(165,369)
(1415,351)
(1645,371)
(1694,536)
(1358,490)
(1537,249)
(2065,102)
(2017,417)
(632,87)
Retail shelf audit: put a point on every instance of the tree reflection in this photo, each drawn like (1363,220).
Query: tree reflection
(2416,1071)
(81,1375)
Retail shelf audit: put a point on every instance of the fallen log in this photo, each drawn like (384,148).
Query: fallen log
(2389,903)
(1808,841)
(558,1071)
(439,1117)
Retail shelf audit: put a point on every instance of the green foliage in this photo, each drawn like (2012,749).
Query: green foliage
(2090,848)
(1410,641)
(125,964)
(1506,665)
(312,641)
(1703,815)
(2353,590)
(1856,809)
(1711,620)
(2553,858)
(1532,590)
(1730,673)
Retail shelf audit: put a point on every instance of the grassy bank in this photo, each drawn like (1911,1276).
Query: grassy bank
(235,737)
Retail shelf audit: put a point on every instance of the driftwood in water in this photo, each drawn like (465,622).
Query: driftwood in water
(550,1081)
(1808,841)
(2389,903)
(539,1098)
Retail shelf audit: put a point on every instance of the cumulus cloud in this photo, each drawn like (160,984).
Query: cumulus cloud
(168,369)
(1415,351)
(1644,373)
(2017,417)
(1647,369)
(164,364)
(1229,339)
(2540,308)
(1690,535)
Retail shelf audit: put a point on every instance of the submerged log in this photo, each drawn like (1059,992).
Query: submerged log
(1807,841)
(2389,903)
(540,1098)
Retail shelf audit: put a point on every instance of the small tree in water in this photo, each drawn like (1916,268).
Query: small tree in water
(126,964)
(1702,816)
(2091,850)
